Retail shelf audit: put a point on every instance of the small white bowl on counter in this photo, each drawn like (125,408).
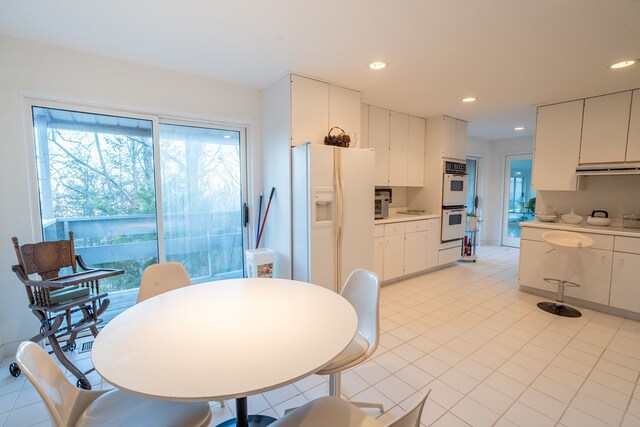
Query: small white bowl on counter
(547,217)
(571,218)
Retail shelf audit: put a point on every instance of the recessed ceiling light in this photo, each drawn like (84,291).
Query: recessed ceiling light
(622,64)
(519,128)
(377,65)
(469,99)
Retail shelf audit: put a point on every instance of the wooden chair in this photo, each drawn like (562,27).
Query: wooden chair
(64,305)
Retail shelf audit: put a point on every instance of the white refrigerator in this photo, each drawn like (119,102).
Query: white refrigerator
(333,212)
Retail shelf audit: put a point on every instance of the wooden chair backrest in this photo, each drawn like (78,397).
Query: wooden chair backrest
(46,258)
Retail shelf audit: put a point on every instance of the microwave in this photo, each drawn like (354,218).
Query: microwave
(381,203)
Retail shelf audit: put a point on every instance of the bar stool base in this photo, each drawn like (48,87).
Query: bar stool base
(559,309)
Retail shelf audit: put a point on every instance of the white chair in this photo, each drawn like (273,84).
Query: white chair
(334,412)
(71,406)
(163,277)
(160,278)
(362,290)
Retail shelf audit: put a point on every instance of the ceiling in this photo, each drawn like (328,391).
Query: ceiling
(511,54)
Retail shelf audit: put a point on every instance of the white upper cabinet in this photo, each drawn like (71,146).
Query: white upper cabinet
(399,142)
(446,138)
(454,139)
(344,112)
(460,150)
(379,141)
(415,152)
(309,110)
(633,143)
(605,128)
(363,138)
(557,146)
(398,148)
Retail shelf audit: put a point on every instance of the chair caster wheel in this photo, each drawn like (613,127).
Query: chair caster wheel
(83,384)
(14,370)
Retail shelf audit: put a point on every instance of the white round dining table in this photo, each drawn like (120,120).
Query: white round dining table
(224,339)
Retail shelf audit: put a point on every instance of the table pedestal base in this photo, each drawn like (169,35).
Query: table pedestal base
(244,420)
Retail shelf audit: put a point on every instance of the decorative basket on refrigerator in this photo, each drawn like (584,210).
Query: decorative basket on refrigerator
(339,140)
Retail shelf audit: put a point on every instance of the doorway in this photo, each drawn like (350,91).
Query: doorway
(519,197)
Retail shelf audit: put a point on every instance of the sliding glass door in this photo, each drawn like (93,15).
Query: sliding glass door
(136,190)
(202,199)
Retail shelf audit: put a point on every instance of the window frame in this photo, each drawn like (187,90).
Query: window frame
(156,120)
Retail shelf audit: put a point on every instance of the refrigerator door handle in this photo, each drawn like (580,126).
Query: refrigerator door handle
(339,216)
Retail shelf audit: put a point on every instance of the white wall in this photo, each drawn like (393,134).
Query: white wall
(494,184)
(615,194)
(480,148)
(40,70)
(276,107)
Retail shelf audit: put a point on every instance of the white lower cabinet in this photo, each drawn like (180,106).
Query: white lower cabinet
(607,272)
(406,248)
(625,285)
(415,246)
(433,242)
(393,256)
(378,251)
(590,268)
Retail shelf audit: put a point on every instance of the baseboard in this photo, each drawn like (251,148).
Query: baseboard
(8,349)
(582,303)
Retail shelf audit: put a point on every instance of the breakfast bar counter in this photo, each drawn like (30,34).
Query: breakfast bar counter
(607,272)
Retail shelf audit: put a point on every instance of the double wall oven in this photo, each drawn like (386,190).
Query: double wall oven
(454,197)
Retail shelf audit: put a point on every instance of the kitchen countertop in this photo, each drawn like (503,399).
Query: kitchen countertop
(615,229)
(396,216)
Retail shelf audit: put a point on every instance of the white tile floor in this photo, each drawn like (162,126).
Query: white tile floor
(488,354)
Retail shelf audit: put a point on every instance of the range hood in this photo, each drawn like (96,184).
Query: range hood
(609,169)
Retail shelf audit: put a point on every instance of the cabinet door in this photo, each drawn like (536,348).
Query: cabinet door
(378,257)
(394,256)
(536,264)
(415,252)
(454,139)
(416,152)
(398,148)
(633,143)
(433,242)
(625,286)
(363,139)
(448,137)
(309,110)
(379,141)
(605,128)
(591,269)
(557,146)
(461,140)
(344,111)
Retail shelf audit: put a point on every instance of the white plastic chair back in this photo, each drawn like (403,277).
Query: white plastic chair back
(362,290)
(331,411)
(64,401)
(160,278)
(411,418)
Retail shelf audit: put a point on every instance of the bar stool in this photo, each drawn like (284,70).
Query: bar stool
(567,244)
